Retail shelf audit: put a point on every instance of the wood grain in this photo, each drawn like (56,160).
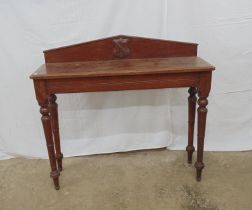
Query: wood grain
(103,49)
(122,67)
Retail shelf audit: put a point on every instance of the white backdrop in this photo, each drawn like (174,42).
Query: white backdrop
(127,120)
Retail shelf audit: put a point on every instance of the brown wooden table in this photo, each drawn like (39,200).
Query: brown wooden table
(121,63)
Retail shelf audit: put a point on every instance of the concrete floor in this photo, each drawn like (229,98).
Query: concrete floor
(144,180)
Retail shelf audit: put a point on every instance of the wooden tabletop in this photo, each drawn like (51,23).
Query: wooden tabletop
(121,67)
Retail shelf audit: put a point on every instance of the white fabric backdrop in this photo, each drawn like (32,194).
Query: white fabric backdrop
(127,120)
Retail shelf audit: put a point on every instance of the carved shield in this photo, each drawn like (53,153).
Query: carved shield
(121,50)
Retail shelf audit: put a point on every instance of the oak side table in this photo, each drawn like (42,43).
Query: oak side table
(122,63)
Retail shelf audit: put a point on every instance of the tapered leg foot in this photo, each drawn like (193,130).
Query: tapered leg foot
(59,158)
(190,149)
(55,176)
(199,167)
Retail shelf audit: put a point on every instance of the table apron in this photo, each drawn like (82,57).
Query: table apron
(117,83)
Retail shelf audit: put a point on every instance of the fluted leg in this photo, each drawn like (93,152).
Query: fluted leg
(191,119)
(46,121)
(55,129)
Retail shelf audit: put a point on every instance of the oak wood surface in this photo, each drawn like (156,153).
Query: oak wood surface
(115,83)
(122,67)
(111,48)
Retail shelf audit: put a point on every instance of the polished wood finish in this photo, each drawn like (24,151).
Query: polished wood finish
(121,83)
(104,49)
(122,63)
(124,67)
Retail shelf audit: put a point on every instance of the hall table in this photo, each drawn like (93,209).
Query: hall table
(122,63)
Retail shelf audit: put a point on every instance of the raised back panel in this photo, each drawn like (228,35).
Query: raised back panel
(120,47)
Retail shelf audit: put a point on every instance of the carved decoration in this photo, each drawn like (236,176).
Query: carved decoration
(121,50)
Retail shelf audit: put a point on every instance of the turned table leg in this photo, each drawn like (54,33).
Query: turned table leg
(191,118)
(53,106)
(202,113)
(203,92)
(46,121)
(43,101)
